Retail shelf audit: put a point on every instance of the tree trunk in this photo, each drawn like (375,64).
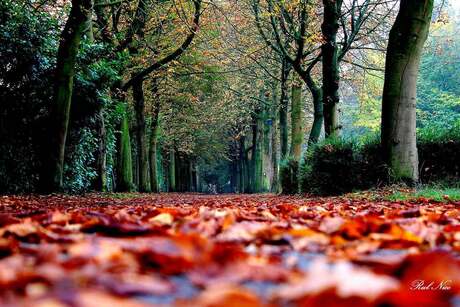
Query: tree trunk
(101,162)
(194,176)
(331,77)
(405,44)
(125,163)
(153,148)
(283,109)
(252,169)
(142,153)
(274,149)
(317,97)
(172,171)
(63,87)
(296,120)
(243,166)
(197,178)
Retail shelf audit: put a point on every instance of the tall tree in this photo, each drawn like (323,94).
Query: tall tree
(283,108)
(135,35)
(405,44)
(63,86)
(289,32)
(137,29)
(296,120)
(153,150)
(331,77)
(125,163)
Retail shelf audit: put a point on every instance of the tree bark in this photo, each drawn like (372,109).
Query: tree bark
(253,164)
(63,87)
(125,163)
(283,109)
(317,97)
(331,77)
(153,149)
(243,167)
(274,149)
(142,153)
(101,162)
(405,44)
(296,120)
(172,171)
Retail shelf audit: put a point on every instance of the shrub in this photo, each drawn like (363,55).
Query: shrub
(338,166)
(439,155)
(289,176)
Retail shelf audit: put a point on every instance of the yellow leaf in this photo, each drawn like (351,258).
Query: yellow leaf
(162,218)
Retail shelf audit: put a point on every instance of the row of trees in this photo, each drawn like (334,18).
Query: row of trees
(175,95)
(312,40)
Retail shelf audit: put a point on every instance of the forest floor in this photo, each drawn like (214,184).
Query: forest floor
(229,250)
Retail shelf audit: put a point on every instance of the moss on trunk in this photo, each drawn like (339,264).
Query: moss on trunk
(172,171)
(63,86)
(296,120)
(153,148)
(125,163)
(283,108)
(142,152)
(331,76)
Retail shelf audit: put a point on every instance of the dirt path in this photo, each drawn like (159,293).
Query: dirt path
(227,250)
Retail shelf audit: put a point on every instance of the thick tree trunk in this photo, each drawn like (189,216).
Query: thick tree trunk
(63,86)
(125,163)
(331,77)
(142,153)
(296,120)
(407,37)
(317,97)
(283,109)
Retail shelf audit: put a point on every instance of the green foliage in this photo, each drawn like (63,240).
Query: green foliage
(339,166)
(78,169)
(439,154)
(363,116)
(289,176)
(28,43)
(438,88)
(27,40)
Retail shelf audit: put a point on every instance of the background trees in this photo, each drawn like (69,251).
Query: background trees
(188,95)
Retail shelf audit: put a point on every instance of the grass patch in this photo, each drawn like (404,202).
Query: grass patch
(123,195)
(432,193)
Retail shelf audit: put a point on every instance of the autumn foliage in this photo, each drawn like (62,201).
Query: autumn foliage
(228,250)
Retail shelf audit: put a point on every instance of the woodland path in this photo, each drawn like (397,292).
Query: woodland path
(227,250)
